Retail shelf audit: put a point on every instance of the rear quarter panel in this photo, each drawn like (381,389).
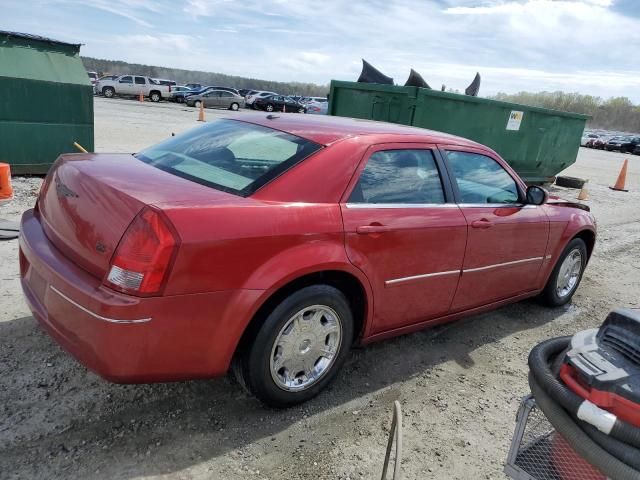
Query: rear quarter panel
(251,246)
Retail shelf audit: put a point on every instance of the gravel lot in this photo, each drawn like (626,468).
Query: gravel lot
(459,384)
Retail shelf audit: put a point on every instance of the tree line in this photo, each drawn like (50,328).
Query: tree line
(617,113)
(117,67)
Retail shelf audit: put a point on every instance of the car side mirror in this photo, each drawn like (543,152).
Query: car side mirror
(536,195)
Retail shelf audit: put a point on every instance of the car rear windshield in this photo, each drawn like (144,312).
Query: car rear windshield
(229,155)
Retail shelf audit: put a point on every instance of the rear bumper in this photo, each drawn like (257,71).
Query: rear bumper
(127,339)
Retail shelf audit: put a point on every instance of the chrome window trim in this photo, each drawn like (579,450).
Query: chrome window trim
(497,205)
(95,315)
(439,205)
(505,264)
(401,205)
(417,277)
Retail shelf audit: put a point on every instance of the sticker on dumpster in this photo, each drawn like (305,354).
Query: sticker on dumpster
(514,120)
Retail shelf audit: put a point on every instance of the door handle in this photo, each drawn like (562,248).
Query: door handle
(483,223)
(366,229)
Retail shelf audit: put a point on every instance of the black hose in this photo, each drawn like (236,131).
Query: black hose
(540,358)
(579,440)
(623,452)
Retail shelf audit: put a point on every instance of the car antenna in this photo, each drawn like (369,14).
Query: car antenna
(272,117)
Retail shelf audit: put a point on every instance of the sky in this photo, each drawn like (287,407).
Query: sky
(586,46)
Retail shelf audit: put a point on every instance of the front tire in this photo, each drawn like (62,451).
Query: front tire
(234,106)
(299,348)
(566,275)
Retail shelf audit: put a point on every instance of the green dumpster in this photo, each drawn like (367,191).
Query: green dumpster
(538,143)
(46,102)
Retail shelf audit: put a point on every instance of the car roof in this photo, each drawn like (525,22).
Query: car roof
(329,129)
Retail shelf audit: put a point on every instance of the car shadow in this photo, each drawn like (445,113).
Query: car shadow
(56,418)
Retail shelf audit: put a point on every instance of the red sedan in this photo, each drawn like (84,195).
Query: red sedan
(276,242)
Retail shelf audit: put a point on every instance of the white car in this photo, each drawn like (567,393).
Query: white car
(93,78)
(318,108)
(587,137)
(252,98)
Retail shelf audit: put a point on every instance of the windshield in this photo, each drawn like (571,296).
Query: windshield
(233,156)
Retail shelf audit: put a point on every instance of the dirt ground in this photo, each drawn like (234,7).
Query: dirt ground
(459,385)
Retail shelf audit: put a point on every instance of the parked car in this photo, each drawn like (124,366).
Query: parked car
(278,103)
(599,143)
(216,99)
(163,81)
(228,89)
(215,248)
(107,77)
(318,99)
(587,137)
(133,86)
(622,144)
(93,78)
(177,93)
(251,98)
(630,145)
(319,108)
(181,96)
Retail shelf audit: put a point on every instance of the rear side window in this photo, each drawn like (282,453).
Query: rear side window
(399,176)
(139,80)
(233,156)
(481,179)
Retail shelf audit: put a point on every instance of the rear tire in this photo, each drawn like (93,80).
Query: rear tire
(155,97)
(108,92)
(197,103)
(279,364)
(566,275)
(269,107)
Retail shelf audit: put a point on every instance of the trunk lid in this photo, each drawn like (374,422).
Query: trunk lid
(89,200)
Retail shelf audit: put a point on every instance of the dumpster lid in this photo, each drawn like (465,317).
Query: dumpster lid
(30,36)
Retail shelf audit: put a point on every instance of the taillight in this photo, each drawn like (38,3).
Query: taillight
(169,88)
(142,261)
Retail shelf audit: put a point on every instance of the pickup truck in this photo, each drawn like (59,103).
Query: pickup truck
(133,86)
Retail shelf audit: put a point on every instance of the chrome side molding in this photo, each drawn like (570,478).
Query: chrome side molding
(95,315)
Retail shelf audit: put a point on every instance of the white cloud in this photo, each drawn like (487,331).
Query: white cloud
(575,45)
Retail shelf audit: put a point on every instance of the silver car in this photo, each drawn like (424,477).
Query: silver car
(216,99)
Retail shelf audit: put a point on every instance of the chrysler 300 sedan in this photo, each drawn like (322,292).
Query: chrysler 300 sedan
(269,245)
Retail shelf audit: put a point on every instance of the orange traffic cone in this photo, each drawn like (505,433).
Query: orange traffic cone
(201,114)
(6,190)
(141,97)
(622,178)
(584,194)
